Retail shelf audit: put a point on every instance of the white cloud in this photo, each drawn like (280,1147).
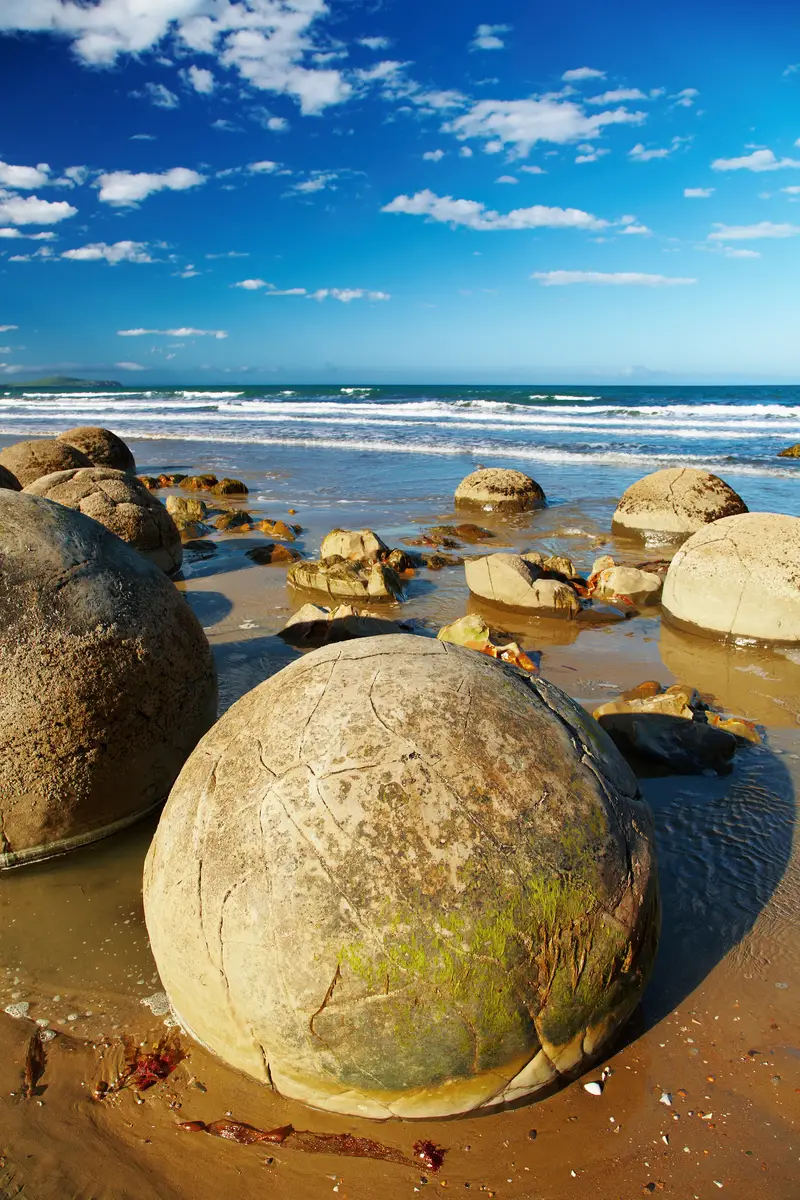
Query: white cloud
(30,210)
(506,179)
(182,332)
(230,254)
(443,99)
(792,69)
(345,295)
(265,167)
(201,79)
(475,215)
(269,42)
(698,193)
(791,191)
(24,177)
(617,95)
(374,43)
(640,154)
(135,252)
(486,37)
(589,154)
(251,285)
(533,170)
(158,95)
(286,292)
(8,232)
(128,188)
(520,124)
(465,152)
(730,252)
(612,279)
(746,233)
(759,160)
(685,98)
(578,74)
(8,328)
(277,124)
(433,155)
(73,177)
(143,137)
(636,229)
(317,182)
(225,126)
(129,366)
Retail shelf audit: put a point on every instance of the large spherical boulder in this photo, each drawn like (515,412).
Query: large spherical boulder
(7,480)
(400,879)
(102,447)
(675,502)
(121,503)
(29,461)
(738,579)
(496,489)
(106,680)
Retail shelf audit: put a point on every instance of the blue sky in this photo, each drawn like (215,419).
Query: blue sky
(273,190)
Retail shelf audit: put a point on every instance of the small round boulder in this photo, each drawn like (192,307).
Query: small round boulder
(102,447)
(123,504)
(29,461)
(675,502)
(738,579)
(497,489)
(106,681)
(401,879)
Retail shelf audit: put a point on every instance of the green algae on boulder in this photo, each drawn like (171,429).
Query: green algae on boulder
(400,879)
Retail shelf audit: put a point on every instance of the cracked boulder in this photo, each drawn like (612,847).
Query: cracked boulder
(353,544)
(106,681)
(498,489)
(29,461)
(343,580)
(513,582)
(401,879)
(675,502)
(738,579)
(123,504)
(102,447)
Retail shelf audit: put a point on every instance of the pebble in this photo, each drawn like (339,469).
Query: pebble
(595,1088)
(532,1134)
(19,1010)
(666,1099)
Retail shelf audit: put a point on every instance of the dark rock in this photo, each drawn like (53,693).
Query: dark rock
(683,747)
(272,553)
(199,483)
(229,487)
(238,519)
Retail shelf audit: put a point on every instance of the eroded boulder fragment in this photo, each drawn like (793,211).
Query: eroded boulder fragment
(106,680)
(353,544)
(400,879)
(340,579)
(511,581)
(640,588)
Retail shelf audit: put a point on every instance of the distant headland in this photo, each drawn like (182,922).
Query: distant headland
(60,381)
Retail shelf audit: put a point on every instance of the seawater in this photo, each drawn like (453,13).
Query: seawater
(418,441)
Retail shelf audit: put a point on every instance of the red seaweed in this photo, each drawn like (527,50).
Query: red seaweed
(142,1069)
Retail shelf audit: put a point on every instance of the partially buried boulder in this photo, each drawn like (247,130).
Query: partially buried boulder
(102,447)
(675,502)
(509,581)
(229,487)
(497,489)
(739,579)
(354,544)
(106,680)
(29,461)
(640,588)
(400,879)
(7,480)
(199,483)
(347,580)
(121,503)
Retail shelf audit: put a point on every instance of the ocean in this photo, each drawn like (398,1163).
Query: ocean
(419,441)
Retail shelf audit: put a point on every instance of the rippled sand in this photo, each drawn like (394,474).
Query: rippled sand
(719,1028)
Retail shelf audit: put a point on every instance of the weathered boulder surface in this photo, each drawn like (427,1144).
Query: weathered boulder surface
(102,447)
(353,544)
(7,480)
(400,879)
(123,504)
(790,451)
(340,579)
(230,487)
(186,508)
(497,489)
(641,588)
(106,680)
(676,501)
(29,461)
(739,578)
(510,581)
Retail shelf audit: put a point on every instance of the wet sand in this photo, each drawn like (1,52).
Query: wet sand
(718,1030)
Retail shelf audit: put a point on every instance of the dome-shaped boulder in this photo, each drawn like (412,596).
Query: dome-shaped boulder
(123,504)
(106,680)
(7,480)
(675,502)
(400,879)
(497,489)
(354,544)
(738,578)
(102,447)
(29,461)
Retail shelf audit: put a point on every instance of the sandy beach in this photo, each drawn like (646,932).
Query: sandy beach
(704,1090)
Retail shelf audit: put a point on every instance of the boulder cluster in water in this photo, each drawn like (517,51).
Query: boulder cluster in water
(396,878)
